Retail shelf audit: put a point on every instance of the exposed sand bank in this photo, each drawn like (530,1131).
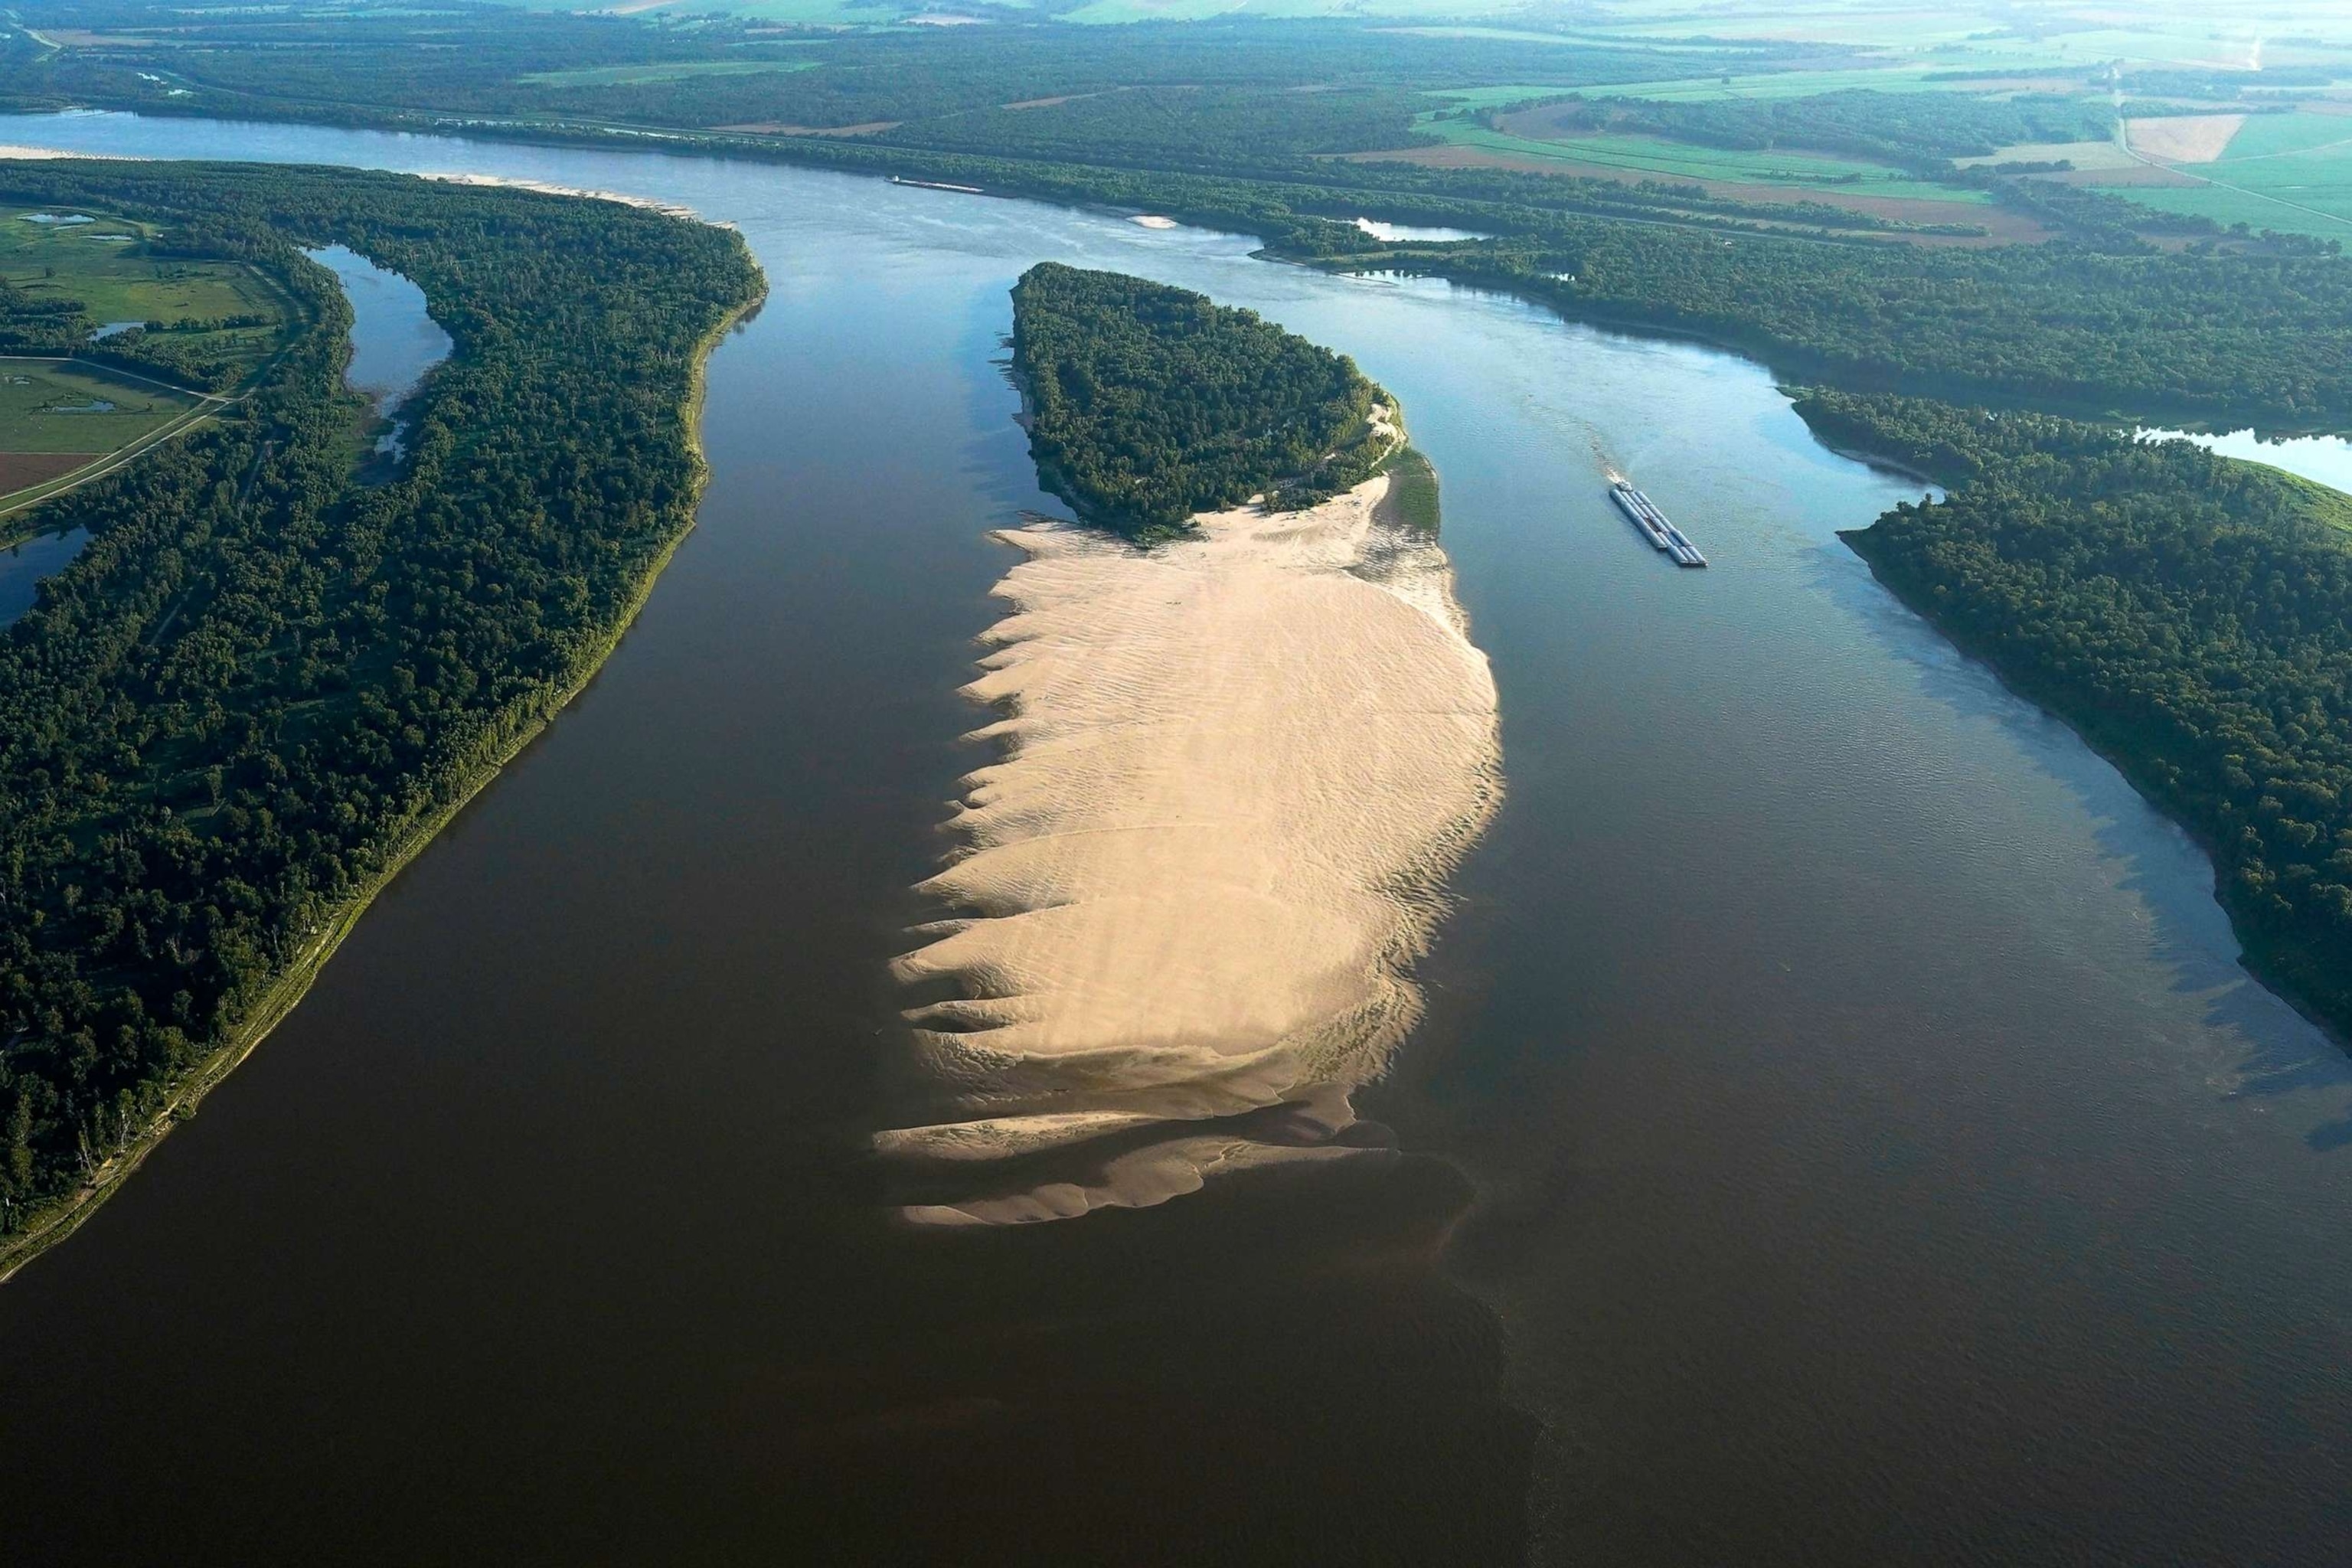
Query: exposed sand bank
(515,182)
(1236,769)
(2184,138)
(13,151)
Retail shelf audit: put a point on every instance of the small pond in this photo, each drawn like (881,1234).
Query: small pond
(396,342)
(2323,460)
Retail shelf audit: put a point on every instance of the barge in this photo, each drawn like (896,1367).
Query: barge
(1645,515)
(938,186)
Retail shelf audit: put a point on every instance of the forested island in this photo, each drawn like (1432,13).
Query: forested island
(1148,404)
(1171,917)
(2189,615)
(263,686)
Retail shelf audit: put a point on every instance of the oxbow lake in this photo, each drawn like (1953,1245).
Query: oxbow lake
(1842,1134)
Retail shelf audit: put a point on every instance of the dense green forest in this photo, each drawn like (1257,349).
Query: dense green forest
(487,59)
(2191,616)
(1182,127)
(2261,337)
(1148,404)
(1903,127)
(261,683)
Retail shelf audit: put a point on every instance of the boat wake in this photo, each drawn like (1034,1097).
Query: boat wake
(1235,773)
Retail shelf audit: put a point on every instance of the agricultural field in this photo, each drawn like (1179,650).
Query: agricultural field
(102,262)
(1635,157)
(49,406)
(2291,171)
(1764,174)
(2235,33)
(59,417)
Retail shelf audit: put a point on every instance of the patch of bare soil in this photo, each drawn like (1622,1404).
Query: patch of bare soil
(2183,138)
(21,471)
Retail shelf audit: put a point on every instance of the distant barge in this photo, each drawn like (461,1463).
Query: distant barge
(938,186)
(1653,525)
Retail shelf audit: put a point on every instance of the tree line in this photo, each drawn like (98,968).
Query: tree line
(2189,615)
(192,353)
(1910,129)
(221,723)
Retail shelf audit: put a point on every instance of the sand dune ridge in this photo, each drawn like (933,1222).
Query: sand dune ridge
(1233,773)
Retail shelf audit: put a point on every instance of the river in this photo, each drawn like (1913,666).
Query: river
(1841,1133)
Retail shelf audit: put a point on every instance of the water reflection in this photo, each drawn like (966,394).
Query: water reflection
(395,342)
(25,564)
(2324,459)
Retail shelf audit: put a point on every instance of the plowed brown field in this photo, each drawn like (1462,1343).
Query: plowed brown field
(21,471)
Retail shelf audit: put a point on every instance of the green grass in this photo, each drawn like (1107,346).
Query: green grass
(2292,172)
(2283,135)
(115,281)
(1637,156)
(32,393)
(1411,499)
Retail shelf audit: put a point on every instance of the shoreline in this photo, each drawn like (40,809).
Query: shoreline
(2254,958)
(56,1222)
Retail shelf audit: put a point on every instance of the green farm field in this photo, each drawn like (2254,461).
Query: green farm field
(103,264)
(98,263)
(2292,172)
(50,406)
(58,416)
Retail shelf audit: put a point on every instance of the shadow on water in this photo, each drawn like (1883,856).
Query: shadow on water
(1172,1385)
(2278,1052)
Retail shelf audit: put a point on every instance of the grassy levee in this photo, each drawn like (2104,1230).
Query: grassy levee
(523,726)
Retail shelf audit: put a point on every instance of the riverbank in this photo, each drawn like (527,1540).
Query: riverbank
(2275,962)
(59,1221)
(2171,606)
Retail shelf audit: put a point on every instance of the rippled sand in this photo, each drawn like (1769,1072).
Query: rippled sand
(1234,771)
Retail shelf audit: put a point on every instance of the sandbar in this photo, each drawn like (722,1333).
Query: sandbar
(1234,771)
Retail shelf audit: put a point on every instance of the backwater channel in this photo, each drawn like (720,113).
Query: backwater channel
(1841,1133)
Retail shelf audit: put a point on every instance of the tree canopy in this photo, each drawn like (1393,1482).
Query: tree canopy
(1148,404)
(2189,614)
(262,682)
